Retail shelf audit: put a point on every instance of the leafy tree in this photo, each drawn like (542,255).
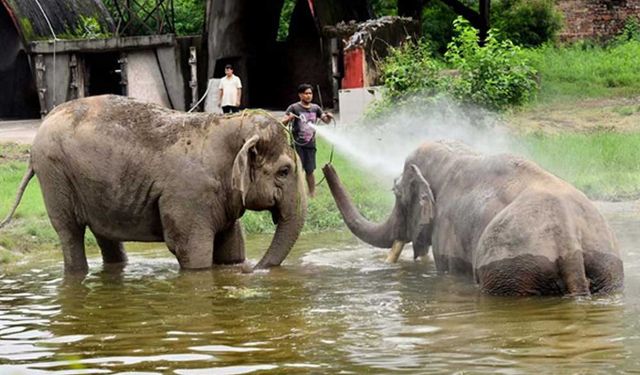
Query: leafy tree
(189,16)
(384,7)
(437,25)
(285,19)
(529,23)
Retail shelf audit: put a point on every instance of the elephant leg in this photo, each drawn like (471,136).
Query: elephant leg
(196,251)
(58,201)
(72,242)
(112,251)
(605,272)
(189,239)
(229,245)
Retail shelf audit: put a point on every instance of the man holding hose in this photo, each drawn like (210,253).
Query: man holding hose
(305,115)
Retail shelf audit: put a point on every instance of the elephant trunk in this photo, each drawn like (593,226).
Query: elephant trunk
(379,235)
(290,216)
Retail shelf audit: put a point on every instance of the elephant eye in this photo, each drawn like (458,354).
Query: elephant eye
(284,171)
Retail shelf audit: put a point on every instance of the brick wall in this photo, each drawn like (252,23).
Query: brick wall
(595,19)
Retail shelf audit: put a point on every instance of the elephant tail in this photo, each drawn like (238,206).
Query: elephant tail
(574,275)
(23,185)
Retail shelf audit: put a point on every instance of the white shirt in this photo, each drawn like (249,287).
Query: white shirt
(229,87)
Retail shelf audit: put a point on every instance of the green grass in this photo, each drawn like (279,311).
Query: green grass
(31,205)
(603,165)
(584,72)
(30,227)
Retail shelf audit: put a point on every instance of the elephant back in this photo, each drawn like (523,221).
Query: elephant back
(128,121)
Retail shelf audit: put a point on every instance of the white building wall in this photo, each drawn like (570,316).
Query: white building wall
(144,80)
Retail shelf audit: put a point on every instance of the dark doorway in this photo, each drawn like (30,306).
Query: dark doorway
(18,96)
(103,74)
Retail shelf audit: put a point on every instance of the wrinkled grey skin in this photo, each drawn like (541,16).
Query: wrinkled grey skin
(504,222)
(131,171)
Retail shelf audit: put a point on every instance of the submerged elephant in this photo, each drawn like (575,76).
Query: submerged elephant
(131,171)
(503,221)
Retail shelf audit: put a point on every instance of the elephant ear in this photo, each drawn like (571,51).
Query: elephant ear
(241,172)
(425,196)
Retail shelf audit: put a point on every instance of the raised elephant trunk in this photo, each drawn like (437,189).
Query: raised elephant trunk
(290,216)
(379,235)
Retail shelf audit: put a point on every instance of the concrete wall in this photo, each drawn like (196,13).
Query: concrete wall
(595,19)
(155,80)
(153,68)
(57,79)
(353,102)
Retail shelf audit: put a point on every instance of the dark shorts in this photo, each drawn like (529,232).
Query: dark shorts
(308,158)
(230,109)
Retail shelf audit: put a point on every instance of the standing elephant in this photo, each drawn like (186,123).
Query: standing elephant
(132,171)
(503,221)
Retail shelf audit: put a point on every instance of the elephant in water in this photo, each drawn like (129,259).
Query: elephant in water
(132,171)
(503,221)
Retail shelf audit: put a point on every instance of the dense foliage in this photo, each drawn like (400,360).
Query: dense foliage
(494,76)
(527,23)
(189,16)
(630,31)
(411,70)
(285,19)
(382,8)
(437,23)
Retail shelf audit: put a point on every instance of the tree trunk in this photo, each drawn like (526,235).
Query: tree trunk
(479,20)
(243,33)
(240,32)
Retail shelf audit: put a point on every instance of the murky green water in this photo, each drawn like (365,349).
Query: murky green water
(334,308)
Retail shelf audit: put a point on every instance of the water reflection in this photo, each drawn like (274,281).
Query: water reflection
(335,308)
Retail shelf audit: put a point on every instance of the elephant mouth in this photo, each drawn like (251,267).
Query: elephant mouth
(275,215)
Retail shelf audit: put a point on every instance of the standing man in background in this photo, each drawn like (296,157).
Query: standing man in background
(305,115)
(230,91)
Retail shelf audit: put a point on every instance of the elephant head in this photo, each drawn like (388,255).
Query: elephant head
(410,219)
(267,175)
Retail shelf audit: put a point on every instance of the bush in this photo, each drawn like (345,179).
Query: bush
(495,76)
(528,23)
(630,31)
(410,70)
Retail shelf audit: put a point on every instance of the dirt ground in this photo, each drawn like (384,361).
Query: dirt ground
(621,114)
(21,131)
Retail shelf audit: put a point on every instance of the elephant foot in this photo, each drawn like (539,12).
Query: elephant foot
(245,267)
